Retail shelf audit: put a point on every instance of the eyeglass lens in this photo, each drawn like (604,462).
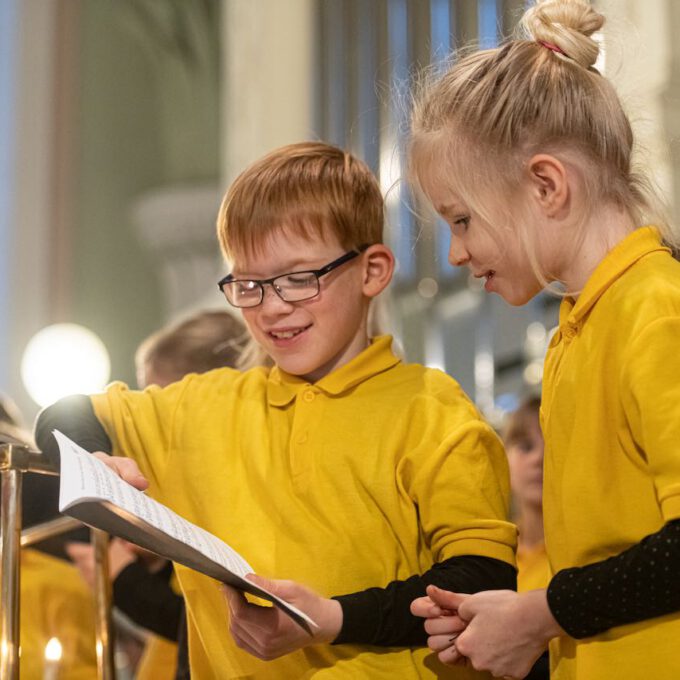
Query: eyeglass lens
(289,287)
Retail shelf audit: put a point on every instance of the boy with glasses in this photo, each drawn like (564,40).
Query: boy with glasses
(341,467)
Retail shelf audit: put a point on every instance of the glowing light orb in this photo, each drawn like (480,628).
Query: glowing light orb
(64,359)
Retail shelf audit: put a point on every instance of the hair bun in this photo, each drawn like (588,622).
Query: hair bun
(568,24)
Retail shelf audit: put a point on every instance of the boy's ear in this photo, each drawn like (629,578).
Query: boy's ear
(378,269)
(549,184)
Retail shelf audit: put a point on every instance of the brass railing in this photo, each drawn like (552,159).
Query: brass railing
(15,460)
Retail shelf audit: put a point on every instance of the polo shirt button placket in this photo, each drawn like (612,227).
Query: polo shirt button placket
(570,331)
(308,395)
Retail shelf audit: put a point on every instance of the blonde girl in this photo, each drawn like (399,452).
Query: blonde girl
(526,152)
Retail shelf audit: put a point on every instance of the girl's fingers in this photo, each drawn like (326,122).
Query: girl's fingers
(452,657)
(438,643)
(445,625)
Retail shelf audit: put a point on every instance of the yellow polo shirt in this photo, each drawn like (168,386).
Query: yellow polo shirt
(611,421)
(372,474)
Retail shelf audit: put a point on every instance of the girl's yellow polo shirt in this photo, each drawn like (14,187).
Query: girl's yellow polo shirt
(370,475)
(611,421)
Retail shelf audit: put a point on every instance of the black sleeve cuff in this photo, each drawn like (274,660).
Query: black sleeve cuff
(638,584)
(382,616)
(75,417)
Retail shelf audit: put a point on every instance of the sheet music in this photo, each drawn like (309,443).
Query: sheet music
(84,476)
(96,495)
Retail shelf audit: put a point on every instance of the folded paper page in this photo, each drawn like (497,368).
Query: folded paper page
(93,493)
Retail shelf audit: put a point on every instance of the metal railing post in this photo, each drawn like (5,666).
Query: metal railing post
(10,573)
(15,459)
(102,596)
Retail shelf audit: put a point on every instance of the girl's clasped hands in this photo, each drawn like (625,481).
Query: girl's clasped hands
(473,629)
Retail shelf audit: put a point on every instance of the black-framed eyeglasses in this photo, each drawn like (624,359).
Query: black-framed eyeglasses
(292,287)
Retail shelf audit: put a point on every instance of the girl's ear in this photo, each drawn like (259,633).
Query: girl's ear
(549,184)
(378,269)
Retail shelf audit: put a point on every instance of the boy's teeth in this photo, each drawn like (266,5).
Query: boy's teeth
(284,334)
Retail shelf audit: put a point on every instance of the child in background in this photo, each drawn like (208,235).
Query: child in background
(526,152)
(144,587)
(341,468)
(524,446)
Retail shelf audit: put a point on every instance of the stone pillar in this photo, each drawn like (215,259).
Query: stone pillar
(639,48)
(268,78)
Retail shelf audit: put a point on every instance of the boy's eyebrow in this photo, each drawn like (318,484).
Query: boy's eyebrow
(292,266)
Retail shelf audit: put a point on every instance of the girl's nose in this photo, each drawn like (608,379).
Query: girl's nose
(458,255)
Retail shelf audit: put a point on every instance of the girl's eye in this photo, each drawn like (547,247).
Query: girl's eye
(462,222)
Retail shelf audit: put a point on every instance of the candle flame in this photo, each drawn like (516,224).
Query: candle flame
(53,650)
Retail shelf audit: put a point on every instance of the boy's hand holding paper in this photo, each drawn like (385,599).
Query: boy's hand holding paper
(126,468)
(266,633)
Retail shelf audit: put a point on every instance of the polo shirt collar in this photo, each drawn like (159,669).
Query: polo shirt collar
(636,245)
(283,387)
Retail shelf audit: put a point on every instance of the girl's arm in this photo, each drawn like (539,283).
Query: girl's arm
(638,584)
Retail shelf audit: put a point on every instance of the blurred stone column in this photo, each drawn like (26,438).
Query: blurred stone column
(176,223)
(639,52)
(176,219)
(268,78)
(672,104)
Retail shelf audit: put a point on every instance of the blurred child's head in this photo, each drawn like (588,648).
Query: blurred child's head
(297,210)
(199,343)
(502,125)
(524,445)
(11,422)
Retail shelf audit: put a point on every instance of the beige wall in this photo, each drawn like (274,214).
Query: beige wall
(267,93)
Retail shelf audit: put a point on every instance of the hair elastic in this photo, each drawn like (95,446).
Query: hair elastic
(552,47)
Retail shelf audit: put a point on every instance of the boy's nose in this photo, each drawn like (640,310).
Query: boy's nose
(272,301)
(458,255)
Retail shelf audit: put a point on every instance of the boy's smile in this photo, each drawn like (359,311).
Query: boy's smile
(309,338)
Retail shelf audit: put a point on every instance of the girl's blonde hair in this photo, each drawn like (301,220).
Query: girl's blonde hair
(494,109)
(311,188)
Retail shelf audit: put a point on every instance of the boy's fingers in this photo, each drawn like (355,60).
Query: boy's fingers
(125,468)
(234,598)
(445,598)
(423,606)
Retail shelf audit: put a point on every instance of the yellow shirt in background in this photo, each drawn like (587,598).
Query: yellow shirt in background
(372,474)
(55,603)
(611,422)
(159,660)
(533,568)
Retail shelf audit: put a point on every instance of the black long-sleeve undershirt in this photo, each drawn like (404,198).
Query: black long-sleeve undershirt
(148,599)
(74,416)
(638,584)
(381,616)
